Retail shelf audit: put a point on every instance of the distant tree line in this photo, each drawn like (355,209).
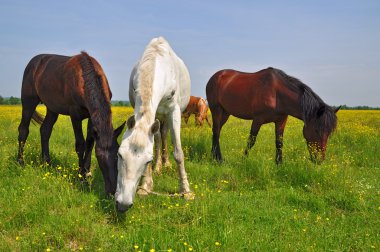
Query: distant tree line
(10,100)
(118,103)
(345,107)
(14,101)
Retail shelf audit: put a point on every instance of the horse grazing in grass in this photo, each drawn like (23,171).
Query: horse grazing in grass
(159,88)
(74,86)
(267,96)
(198,107)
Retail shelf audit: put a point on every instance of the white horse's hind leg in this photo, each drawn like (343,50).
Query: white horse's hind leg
(165,157)
(157,153)
(175,127)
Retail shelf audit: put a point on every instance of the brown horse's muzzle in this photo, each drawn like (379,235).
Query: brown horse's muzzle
(317,152)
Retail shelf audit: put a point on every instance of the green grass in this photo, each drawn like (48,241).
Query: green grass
(245,204)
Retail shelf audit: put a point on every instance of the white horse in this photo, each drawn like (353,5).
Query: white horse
(159,88)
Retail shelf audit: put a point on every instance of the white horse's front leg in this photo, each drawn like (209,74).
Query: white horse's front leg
(146,183)
(175,128)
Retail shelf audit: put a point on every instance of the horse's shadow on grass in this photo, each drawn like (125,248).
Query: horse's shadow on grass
(93,185)
(106,203)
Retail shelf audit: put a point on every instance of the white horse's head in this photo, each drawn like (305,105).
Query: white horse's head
(135,153)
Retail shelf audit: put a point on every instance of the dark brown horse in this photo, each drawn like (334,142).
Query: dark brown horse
(198,107)
(74,86)
(267,96)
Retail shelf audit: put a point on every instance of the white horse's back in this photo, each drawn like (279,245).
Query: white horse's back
(168,67)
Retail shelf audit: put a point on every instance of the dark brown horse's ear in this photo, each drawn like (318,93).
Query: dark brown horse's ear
(155,127)
(321,110)
(337,109)
(131,122)
(118,131)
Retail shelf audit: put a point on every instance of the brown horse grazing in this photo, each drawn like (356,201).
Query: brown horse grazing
(269,95)
(198,107)
(74,86)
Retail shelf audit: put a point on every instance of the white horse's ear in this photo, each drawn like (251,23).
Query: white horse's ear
(131,122)
(155,127)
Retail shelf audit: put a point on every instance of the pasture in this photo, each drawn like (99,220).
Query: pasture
(245,204)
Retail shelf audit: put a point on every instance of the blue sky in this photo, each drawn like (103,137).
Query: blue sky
(332,46)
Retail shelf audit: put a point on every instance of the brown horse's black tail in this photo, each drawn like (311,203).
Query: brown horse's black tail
(38,118)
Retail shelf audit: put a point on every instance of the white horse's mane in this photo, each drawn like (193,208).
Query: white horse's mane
(156,47)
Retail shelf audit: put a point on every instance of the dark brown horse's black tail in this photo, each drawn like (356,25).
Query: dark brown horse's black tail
(38,118)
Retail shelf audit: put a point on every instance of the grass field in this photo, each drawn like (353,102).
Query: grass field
(245,204)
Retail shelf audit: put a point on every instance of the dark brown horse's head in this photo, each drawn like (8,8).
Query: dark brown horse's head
(317,130)
(107,158)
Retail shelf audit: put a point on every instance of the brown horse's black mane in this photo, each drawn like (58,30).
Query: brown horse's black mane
(313,107)
(97,102)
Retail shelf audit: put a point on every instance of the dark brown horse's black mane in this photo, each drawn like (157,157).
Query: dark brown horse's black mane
(313,107)
(96,100)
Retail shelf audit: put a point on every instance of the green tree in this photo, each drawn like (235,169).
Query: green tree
(14,100)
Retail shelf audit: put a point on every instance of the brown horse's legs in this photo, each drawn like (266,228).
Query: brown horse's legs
(186,117)
(255,127)
(208,122)
(88,149)
(28,108)
(45,130)
(198,120)
(79,144)
(219,118)
(279,127)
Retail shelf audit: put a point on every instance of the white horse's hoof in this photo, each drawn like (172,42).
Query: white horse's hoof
(143,192)
(167,165)
(189,196)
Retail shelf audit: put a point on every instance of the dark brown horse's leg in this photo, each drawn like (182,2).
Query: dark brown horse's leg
(219,118)
(90,140)
(279,127)
(45,130)
(79,144)
(255,127)
(28,107)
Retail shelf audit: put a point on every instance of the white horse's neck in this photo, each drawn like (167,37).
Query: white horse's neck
(151,87)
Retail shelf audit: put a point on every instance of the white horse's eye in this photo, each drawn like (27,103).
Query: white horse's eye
(119,155)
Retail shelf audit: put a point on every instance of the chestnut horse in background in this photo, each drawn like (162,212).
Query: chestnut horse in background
(269,95)
(74,86)
(198,107)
